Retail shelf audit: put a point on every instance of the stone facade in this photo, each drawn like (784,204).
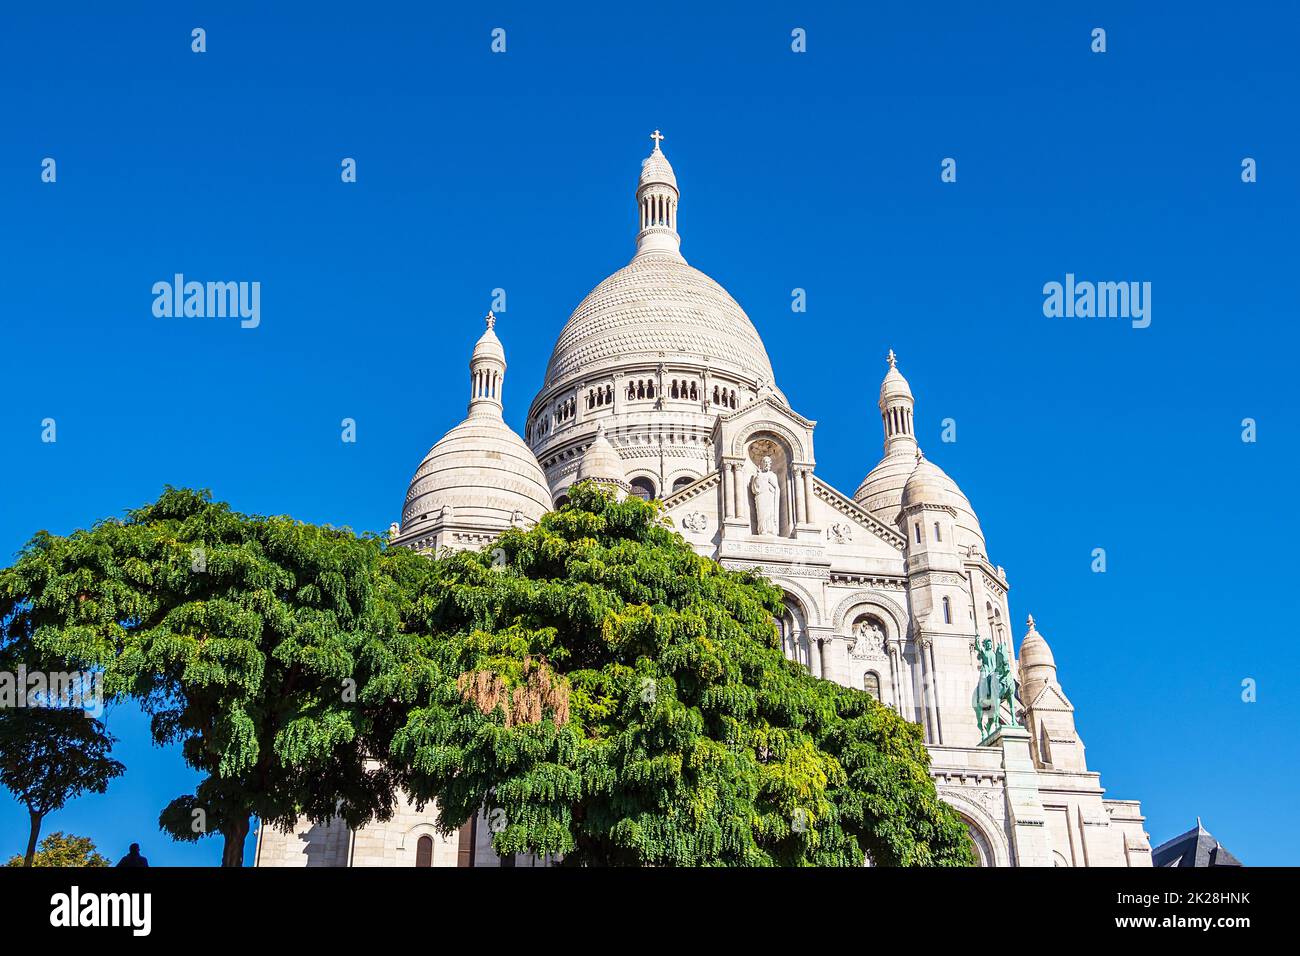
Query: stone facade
(660,385)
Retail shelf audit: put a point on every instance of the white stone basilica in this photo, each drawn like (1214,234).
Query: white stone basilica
(660,386)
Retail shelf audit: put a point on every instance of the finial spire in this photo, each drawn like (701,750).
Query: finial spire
(490,319)
(1030,622)
(893,359)
(658,137)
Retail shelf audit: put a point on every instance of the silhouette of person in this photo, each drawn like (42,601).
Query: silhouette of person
(133,858)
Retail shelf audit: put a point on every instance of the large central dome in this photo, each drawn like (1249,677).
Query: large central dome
(653,355)
(658,308)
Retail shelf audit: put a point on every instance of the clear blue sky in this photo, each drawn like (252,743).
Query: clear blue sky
(818,171)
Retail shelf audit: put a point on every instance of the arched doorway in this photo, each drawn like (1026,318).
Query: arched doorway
(424,851)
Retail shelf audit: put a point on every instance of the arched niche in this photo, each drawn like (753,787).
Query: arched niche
(794,443)
(763,446)
(870,602)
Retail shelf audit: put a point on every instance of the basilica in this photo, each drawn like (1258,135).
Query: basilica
(660,386)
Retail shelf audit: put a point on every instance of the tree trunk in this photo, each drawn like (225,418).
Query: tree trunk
(232,853)
(33,837)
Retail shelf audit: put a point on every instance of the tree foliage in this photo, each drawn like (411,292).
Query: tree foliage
(50,755)
(247,639)
(51,749)
(604,693)
(60,849)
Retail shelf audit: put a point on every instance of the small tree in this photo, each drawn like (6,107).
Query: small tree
(249,640)
(50,755)
(59,849)
(605,693)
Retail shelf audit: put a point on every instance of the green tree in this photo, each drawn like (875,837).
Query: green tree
(60,849)
(603,692)
(248,640)
(49,756)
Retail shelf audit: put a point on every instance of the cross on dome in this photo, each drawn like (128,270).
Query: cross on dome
(658,137)
(491,319)
(893,359)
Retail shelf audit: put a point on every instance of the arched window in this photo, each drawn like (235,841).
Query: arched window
(938,535)
(424,851)
(947,611)
(682,482)
(643,488)
(871,684)
(561,501)
(695,394)
(918,532)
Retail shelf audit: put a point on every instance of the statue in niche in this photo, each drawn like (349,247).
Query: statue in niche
(766,489)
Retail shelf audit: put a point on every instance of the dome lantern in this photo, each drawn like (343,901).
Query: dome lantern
(656,200)
(896,405)
(487,372)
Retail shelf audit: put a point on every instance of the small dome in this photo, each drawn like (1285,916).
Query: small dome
(894,385)
(484,471)
(600,462)
(929,484)
(1034,653)
(655,168)
(489,346)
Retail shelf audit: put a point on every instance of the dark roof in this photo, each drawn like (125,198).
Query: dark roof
(1196,847)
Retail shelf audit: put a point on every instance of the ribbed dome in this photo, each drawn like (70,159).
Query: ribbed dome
(894,386)
(1034,653)
(657,308)
(484,471)
(655,168)
(930,484)
(488,346)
